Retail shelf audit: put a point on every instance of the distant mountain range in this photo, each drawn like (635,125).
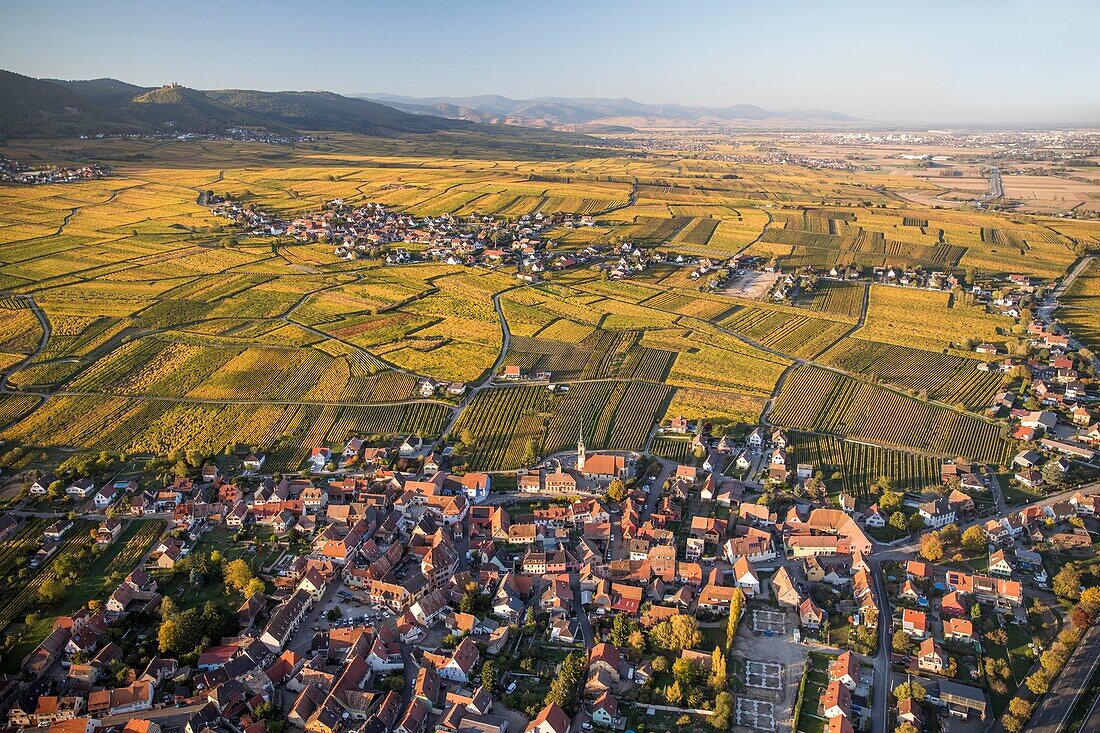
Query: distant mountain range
(51,107)
(596,114)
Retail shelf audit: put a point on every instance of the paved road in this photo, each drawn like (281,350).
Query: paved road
(1056,706)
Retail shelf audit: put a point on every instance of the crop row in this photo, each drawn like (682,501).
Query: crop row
(13,604)
(945,377)
(819,400)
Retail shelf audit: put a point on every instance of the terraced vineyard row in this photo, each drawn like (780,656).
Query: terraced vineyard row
(944,377)
(505,424)
(906,471)
(819,400)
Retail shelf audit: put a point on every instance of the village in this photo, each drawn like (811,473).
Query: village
(380,591)
(12,171)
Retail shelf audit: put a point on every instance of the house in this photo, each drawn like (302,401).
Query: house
(605,711)
(958,629)
(938,513)
(914,623)
(551,719)
(874,517)
(845,669)
(930,658)
(836,701)
(745,577)
(810,615)
(1000,565)
(319,459)
(81,489)
(42,484)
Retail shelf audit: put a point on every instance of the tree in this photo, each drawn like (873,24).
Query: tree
(1038,682)
(676,634)
(901,643)
(685,672)
(51,591)
(616,491)
(897,521)
(916,523)
(621,629)
(906,728)
(890,502)
(931,546)
(489,675)
(660,663)
(909,691)
(1019,707)
(723,711)
(238,575)
(636,642)
(950,535)
(1090,600)
(674,693)
(717,679)
(1052,474)
(333,614)
(1067,583)
(563,690)
(973,539)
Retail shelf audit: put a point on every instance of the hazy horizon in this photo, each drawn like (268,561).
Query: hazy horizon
(985,63)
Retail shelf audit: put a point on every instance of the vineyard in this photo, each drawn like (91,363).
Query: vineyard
(602,354)
(928,319)
(944,377)
(14,599)
(674,449)
(819,400)
(860,465)
(834,297)
(512,423)
(791,334)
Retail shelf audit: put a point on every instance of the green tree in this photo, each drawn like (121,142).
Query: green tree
(489,675)
(890,502)
(684,671)
(916,523)
(51,591)
(1052,474)
(674,693)
(723,711)
(1038,682)
(898,522)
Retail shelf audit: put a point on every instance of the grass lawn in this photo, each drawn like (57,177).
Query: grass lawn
(1017,494)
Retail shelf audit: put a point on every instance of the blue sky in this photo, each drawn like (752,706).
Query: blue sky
(920,61)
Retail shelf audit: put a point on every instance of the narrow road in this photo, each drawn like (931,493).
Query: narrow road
(1055,707)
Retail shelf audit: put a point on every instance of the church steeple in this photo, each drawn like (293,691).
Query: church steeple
(580,449)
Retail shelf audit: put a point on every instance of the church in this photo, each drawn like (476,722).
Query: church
(602,467)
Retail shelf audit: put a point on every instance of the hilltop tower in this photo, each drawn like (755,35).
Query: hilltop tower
(580,449)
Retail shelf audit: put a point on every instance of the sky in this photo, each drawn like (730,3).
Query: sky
(972,61)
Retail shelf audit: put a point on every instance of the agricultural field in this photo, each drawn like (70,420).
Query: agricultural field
(509,423)
(947,378)
(817,400)
(788,333)
(843,300)
(927,319)
(1080,307)
(859,465)
(170,329)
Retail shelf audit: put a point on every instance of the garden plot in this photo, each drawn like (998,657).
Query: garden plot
(764,675)
(774,622)
(758,714)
